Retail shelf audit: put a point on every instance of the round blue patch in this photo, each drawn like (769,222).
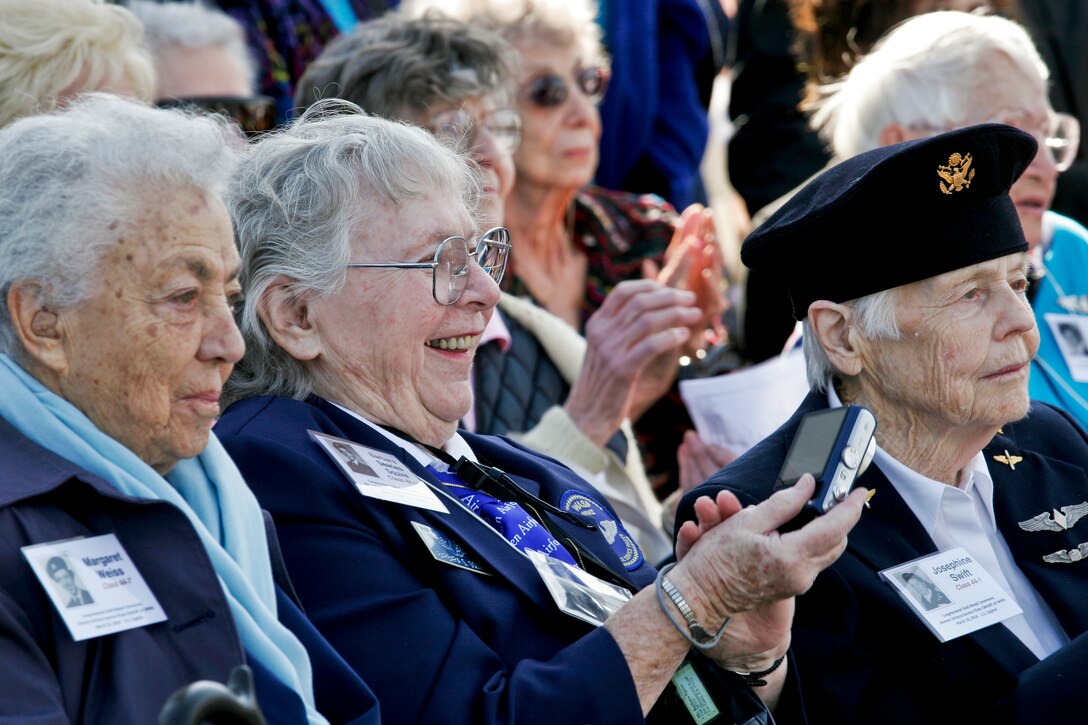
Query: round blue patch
(610,527)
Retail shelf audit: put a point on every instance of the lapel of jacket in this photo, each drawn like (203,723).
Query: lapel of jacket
(1042,485)
(889,534)
(464,527)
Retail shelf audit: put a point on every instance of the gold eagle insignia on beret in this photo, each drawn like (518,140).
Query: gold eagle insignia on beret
(957,175)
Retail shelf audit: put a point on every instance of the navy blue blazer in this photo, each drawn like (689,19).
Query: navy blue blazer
(863,656)
(437,643)
(126,677)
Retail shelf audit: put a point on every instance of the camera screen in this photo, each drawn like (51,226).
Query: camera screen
(812,444)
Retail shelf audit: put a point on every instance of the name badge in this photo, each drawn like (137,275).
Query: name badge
(445,549)
(1071,334)
(576,592)
(377,474)
(951,593)
(94,585)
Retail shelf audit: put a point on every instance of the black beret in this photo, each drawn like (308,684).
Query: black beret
(895,215)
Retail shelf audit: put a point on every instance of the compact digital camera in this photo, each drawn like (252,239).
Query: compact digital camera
(835,446)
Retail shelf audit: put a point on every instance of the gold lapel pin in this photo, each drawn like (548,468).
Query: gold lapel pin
(1008,459)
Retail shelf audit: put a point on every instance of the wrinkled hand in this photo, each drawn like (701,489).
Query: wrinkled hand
(736,564)
(694,261)
(633,344)
(700,460)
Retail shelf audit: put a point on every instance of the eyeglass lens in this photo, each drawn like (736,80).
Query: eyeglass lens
(452,258)
(461,127)
(551,91)
(1059,134)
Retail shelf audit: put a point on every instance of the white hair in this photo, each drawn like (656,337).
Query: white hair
(300,198)
(50,49)
(931,71)
(193,25)
(557,22)
(69,179)
(874,318)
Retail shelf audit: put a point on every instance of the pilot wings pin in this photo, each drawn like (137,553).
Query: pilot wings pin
(1068,556)
(1062,521)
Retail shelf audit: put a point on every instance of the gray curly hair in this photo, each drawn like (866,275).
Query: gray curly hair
(398,67)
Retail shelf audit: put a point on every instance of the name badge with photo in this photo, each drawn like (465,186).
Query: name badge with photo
(94,585)
(951,593)
(1071,334)
(576,592)
(378,474)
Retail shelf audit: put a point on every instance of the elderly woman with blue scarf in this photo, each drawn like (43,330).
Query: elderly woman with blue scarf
(119,273)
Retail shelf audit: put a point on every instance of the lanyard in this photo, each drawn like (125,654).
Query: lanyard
(497,483)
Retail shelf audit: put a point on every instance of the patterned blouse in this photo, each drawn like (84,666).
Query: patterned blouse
(617,230)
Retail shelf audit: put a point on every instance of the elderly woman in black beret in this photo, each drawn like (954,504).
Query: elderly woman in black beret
(974,483)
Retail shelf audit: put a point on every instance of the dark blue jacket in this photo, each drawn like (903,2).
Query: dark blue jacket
(861,653)
(437,643)
(124,677)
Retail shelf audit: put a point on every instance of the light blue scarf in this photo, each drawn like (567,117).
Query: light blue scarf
(208,488)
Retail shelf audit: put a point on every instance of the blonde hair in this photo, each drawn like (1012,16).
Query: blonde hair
(49,47)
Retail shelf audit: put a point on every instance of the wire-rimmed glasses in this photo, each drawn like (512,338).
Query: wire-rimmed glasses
(1060,135)
(450,268)
(462,127)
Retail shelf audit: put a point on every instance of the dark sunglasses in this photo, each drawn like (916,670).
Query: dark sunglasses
(255,114)
(551,91)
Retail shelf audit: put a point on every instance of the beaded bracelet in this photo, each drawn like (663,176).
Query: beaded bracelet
(695,633)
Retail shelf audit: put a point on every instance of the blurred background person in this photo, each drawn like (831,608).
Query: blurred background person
(119,274)
(575,242)
(531,376)
(664,57)
(52,50)
(201,59)
(782,51)
(1060,32)
(950,69)
(284,36)
(389,234)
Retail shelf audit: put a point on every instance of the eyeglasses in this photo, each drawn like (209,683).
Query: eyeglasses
(1059,135)
(551,91)
(255,114)
(461,127)
(450,268)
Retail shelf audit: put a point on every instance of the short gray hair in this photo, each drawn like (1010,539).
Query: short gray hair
(932,71)
(874,317)
(68,178)
(301,197)
(399,67)
(557,22)
(193,25)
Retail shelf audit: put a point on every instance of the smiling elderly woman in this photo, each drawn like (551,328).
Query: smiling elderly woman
(937,343)
(364,306)
(119,273)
